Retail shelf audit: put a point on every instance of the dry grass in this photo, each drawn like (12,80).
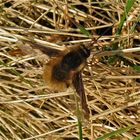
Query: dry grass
(28,110)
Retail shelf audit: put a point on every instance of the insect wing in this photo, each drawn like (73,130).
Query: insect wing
(78,85)
(44,49)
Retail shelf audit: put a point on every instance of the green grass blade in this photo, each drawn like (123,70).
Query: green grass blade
(137,68)
(127,8)
(137,138)
(80,128)
(109,135)
(79,119)
(83,30)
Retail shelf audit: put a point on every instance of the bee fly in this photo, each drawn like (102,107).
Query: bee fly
(64,68)
(60,71)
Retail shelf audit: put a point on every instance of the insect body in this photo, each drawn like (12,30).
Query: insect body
(59,71)
(64,68)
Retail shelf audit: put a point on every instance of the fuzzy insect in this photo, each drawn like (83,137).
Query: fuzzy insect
(64,68)
(60,71)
